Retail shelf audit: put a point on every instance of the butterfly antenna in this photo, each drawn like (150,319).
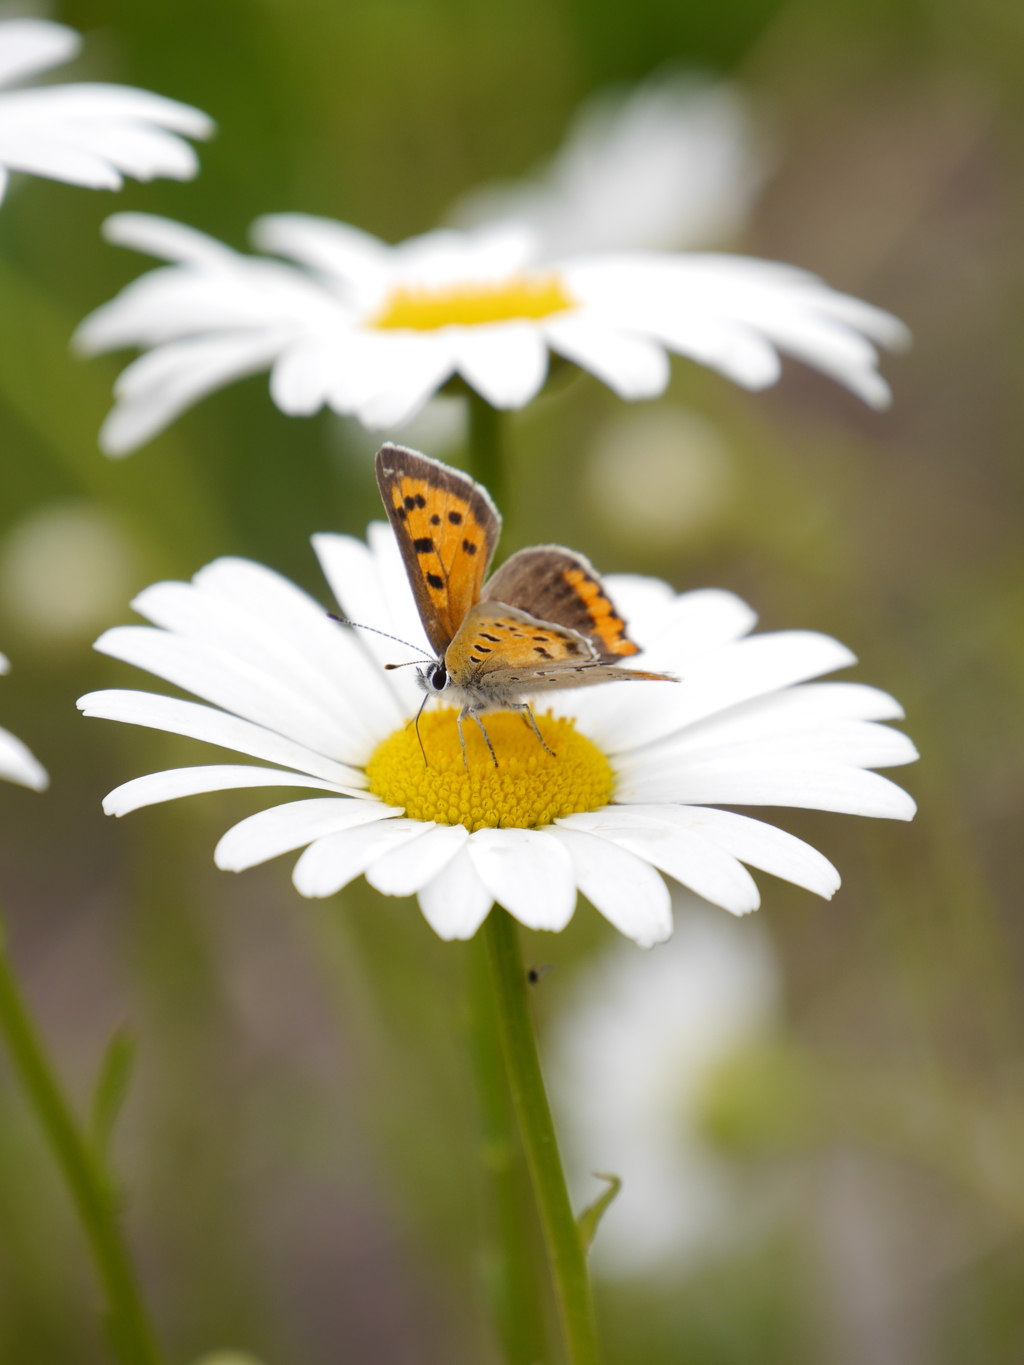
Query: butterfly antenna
(343,620)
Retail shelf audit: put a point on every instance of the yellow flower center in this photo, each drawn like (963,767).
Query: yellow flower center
(529,787)
(468,305)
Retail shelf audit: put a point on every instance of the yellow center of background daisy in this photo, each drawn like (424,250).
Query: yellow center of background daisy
(529,787)
(469,305)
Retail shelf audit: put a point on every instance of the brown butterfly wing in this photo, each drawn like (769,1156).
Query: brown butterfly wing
(446,527)
(559,586)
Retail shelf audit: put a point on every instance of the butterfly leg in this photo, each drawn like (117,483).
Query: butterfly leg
(468,714)
(523,707)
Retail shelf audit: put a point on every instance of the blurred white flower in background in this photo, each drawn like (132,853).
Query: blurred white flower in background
(373,331)
(87,133)
(65,570)
(17,763)
(675,163)
(632,1054)
(665,448)
(570,265)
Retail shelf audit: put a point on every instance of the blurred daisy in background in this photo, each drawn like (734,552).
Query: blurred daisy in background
(374,331)
(65,570)
(633,1052)
(630,795)
(17,762)
(85,133)
(674,164)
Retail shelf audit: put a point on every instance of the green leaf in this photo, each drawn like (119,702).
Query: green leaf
(590,1217)
(111,1088)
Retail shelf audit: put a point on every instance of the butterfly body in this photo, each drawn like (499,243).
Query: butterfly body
(541,623)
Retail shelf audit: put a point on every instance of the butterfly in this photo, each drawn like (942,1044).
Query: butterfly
(542,622)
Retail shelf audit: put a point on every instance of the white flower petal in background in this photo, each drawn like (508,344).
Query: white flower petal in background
(373,331)
(312,700)
(674,163)
(86,134)
(17,762)
(631,1055)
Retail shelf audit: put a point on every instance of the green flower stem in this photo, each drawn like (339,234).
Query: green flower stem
(487,447)
(566,1255)
(131,1335)
(513,1278)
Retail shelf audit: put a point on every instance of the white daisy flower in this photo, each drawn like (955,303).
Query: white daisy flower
(373,331)
(673,163)
(631,794)
(86,134)
(17,762)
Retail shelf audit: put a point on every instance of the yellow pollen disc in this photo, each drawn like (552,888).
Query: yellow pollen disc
(468,305)
(528,787)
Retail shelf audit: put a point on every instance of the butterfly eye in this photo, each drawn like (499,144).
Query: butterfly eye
(438,677)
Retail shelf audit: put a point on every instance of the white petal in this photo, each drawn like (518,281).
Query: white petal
(811,786)
(626,889)
(28,46)
(751,841)
(193,368)
(220,677)
(857,743)
(280,829)
(354,574)
(632,366)
(314,653)
(409,368)
(506,364)
(407,869)
(188,718)
(165,238)
(456,902)
(528,872)
(720,679)
(352,257)
(5,664)
(19,764)
(337,859)
(167,786)
(695,861)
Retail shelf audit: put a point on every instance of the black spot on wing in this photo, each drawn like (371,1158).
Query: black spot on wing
(469,547)
(435,520)
(435,581)
(420,500)
(401,514)
(410,503)
(455,518)
(423,546)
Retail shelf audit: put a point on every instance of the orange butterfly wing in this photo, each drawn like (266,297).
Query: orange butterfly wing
(446,527)
(560,586)
(505,652)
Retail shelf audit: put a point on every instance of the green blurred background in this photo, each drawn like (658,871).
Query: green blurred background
(300,1150)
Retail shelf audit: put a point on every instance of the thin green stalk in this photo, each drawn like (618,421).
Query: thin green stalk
(487,447)
(566,1254)
(131,1335)
(513,1278)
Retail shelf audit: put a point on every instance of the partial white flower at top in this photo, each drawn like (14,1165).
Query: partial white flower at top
(674,163)
(17,763)
(373,331)
(633,1051)
(86,133)
(631,794)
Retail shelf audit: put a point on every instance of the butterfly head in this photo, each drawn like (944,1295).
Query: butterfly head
(434,677)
